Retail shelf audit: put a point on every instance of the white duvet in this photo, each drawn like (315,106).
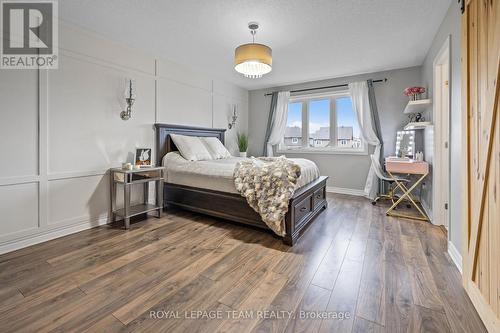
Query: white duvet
(218,174)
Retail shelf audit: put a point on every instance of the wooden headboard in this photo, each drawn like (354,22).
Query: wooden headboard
(164,143)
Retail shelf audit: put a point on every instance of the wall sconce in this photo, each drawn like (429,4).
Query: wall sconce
(234,117)
(129,99)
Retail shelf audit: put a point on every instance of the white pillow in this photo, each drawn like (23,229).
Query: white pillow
(191,147)
(215,148)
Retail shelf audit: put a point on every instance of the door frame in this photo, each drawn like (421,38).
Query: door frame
(441,120)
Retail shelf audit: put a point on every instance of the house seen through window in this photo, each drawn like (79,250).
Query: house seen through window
(325,122)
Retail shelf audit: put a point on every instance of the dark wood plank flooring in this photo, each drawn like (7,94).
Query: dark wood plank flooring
(355,270)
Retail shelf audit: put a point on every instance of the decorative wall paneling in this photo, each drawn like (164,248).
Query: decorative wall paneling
(64,131)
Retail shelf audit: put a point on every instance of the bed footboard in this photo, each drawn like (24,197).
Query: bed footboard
(306,204)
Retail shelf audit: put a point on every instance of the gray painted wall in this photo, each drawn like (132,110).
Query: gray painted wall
(449,27)
(345,171)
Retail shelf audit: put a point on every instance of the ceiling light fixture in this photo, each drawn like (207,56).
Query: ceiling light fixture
(253,60)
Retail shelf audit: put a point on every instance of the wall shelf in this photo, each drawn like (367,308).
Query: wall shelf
(417,125)
(417,106)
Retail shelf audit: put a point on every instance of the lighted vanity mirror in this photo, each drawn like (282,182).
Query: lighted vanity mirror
(405,144)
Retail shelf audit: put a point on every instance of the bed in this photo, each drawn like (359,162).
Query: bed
(192,188)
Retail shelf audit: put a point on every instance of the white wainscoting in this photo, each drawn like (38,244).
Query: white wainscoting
(71,198)
(61,130)
(222,106)
(19,207)
(184,104)
(19,123)
(85,131)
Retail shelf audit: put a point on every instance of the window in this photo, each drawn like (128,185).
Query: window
(322,122)
(319,123)
(293,131)
(348,131)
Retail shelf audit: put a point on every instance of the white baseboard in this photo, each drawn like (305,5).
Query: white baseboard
(455,256)
(348,191)
(26,241)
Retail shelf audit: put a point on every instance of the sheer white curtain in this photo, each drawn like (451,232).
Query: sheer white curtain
(277,123)
(361,106)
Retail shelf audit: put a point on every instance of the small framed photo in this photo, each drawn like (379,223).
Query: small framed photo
(143,157)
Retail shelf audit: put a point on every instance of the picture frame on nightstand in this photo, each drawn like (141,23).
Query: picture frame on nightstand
(143,157)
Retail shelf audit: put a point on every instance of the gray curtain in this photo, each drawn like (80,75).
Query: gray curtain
(272,110)
(376,121)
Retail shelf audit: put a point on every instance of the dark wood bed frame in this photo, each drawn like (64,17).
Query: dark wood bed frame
(305,205)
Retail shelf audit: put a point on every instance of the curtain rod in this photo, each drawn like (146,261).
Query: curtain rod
(319,88)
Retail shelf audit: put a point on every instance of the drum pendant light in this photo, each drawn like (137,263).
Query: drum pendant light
(253,60)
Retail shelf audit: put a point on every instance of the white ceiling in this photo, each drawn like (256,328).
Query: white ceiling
(311,39)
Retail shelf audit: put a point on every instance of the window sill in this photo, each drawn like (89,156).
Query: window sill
(327,151)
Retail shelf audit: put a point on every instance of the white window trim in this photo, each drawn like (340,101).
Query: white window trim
(329,150)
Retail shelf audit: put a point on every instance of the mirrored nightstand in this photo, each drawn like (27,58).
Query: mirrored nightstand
(128,178)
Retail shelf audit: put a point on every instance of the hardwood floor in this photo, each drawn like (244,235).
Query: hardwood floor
(380,274)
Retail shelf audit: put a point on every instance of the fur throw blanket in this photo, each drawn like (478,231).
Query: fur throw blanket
(268,183)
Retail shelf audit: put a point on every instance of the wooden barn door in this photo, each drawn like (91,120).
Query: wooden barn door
(481,147)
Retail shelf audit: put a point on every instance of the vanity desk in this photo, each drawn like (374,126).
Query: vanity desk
(408,167)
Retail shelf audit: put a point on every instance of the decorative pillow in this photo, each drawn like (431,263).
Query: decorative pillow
(215,148)
(191,147)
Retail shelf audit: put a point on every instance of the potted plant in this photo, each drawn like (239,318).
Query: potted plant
(242,144)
